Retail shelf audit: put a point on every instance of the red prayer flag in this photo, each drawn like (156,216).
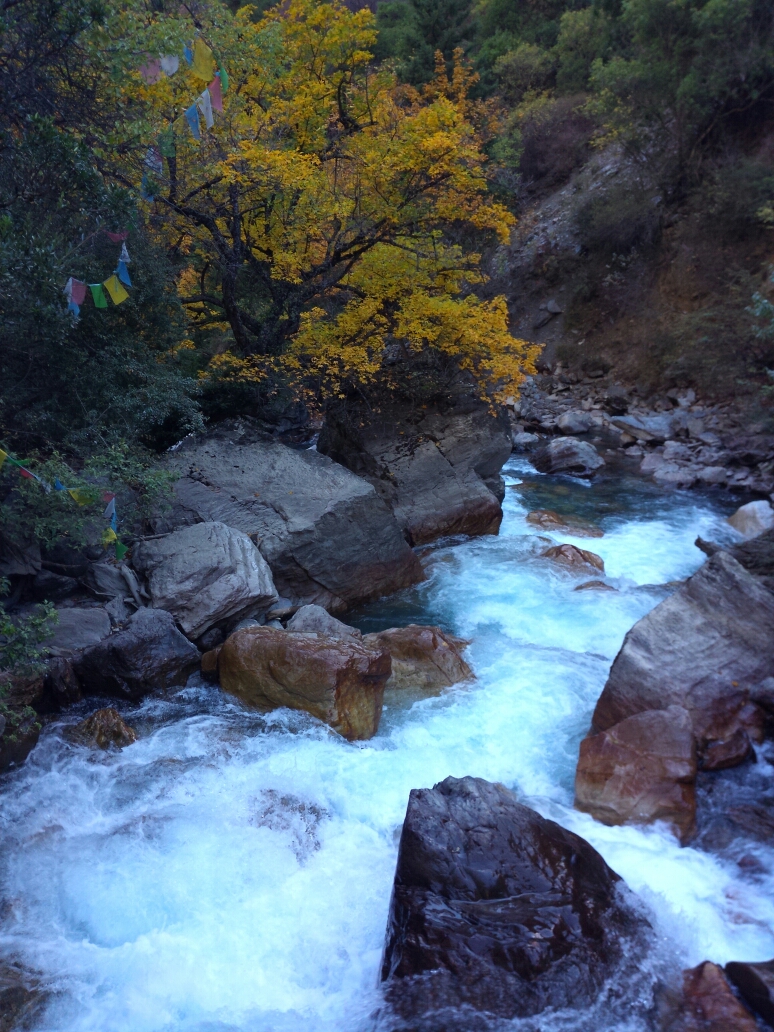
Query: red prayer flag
(78,292)
(151,71)
(107,496)
(116,238)
(26,474)
(215,94)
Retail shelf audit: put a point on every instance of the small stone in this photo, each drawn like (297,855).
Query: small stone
(574,557)
(553,307)
(594,585)
(104,728)
(575,422)
(712,474)
(522,441)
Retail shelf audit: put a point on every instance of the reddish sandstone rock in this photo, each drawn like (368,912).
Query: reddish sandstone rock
(641,770)
(104,728)
(422,657)
(709,1005)
(574,557)
(337,680)
(552,521)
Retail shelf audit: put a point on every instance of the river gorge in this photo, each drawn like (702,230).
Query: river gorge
(233,870)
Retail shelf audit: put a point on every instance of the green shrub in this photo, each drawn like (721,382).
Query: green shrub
(731,197)
(614,222)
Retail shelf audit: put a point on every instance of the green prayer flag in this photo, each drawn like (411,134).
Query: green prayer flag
(100,301)
(121,550)
(223,79)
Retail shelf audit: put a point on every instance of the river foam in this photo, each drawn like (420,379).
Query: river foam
(231,871)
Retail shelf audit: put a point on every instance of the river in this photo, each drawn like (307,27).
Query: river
(231,872)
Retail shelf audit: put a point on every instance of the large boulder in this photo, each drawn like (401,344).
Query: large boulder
(705,648)
(753,519)
(497,910)
(326,535)
(424,658)
(566,455)
(76,629)
(641,770)
(204,575)
(315,618)
(149,653)
(340,681)
(575,422)
(438,471)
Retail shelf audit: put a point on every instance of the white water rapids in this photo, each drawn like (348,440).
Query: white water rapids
(231,872)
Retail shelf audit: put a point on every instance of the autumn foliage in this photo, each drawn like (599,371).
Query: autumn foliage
(315,217)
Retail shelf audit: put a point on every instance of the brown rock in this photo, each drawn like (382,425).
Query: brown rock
(594,585)
(729,752)
(755,982)
(339,681)
(422,657)
(574,557)
(707,647)
(641,770)
(210,664)
(104,728)
(709,1005)
(550,520)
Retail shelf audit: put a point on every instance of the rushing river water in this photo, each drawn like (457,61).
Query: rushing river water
(231,871)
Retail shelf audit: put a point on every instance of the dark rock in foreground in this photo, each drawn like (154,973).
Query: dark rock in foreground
(755,983)
(498,910)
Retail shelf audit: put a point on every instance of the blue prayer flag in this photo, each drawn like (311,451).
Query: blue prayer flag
(123,273)
(188,55)
(192,117)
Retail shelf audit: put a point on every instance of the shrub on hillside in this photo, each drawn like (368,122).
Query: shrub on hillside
(614,222)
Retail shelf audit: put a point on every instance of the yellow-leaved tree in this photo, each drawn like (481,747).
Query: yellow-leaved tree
(319,213)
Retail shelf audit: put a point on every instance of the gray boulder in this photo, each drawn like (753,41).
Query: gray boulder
(326,535)
(653,429)
(205,574)
(564,455)
(439,472)
(707,647)
(77,629)
(575,422)
(149,653)
(315,618)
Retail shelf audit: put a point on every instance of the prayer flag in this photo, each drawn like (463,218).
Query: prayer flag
(77,291)
(114,522)
(192,117)
(110,509)
(203,65)
(123,273)
(121,550)
(145,189)
(26,474)
(100,301)
(81,496)
(108,536)
(124,256)
(107,496)
(215,94)
(205,106)
(68,290)
(58,485)
(223,75)
(117,238)
(151,71)
(115,288)
(188,55)
(153,160)
(3,457)
(169,64)
(74,309)
(167,143)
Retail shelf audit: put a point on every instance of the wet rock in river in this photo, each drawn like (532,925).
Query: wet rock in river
(708,1004)
(755,983)
(573,557)
(706,648)
(594,585)
(575,421)
(104,728)
(425,658)
(641,770)
(149,653)
(566,455)
(340,681)
(549,520)
(497,910)
(205,574)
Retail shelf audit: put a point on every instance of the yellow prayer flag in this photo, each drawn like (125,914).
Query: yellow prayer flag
(3,457)
(115,288)
(80,496)
(109,536)
(203,66)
